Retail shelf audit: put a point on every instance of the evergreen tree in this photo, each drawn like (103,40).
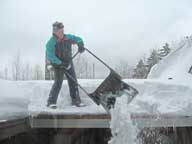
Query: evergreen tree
(164,51)
(153,59)
(124,69)
(140,71)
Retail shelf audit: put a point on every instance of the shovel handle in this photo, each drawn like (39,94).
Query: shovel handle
(95,57)
(99,59)
(75,55)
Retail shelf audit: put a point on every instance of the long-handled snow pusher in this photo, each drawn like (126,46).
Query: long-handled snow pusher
(111,88)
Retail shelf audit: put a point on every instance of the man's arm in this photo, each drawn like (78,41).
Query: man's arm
(75,39)
(50,53)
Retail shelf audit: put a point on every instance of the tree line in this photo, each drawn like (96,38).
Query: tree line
(18,70)
(84,68)
(144,65)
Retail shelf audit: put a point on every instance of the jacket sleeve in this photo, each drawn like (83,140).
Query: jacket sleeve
(75,39)
(50,53)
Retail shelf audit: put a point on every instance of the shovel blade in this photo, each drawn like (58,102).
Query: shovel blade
(111,88)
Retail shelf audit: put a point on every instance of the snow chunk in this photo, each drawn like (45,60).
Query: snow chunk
(122,128)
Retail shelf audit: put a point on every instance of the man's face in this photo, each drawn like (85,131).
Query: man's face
(60,33)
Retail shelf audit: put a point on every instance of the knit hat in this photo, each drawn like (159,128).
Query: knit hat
(57,26)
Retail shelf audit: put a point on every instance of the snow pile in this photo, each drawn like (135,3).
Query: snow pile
(169,87)
(176,65)
(163,98)
(122,128)
(13,100)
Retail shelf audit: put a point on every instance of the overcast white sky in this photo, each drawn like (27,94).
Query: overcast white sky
(113,29)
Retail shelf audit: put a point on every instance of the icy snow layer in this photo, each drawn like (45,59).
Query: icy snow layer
(13,101)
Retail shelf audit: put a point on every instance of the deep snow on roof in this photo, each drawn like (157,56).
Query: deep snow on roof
(158,94)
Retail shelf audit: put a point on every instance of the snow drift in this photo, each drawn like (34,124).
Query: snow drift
(169,88)
(176,65)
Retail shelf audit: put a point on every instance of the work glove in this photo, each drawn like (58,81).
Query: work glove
(81,48)
(49,67)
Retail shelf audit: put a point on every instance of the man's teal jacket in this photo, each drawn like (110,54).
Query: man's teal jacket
(50,47)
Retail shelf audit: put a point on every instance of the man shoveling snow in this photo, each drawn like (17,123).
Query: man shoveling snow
(59,53)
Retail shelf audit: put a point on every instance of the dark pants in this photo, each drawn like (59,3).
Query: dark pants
(73,87)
